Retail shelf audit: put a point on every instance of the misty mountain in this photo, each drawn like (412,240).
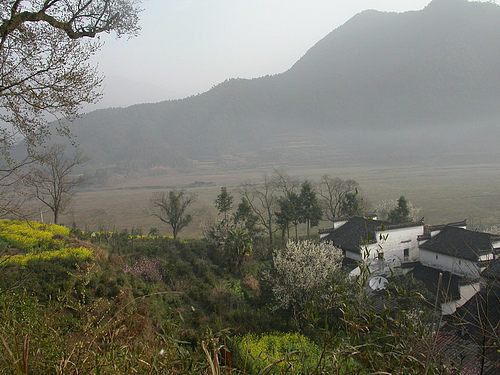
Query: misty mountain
(119,91)
(420,82)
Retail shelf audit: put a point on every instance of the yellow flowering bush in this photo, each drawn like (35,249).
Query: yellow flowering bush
(28,235)
(79,253)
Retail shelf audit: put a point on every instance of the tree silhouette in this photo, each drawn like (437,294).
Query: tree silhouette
(171,209)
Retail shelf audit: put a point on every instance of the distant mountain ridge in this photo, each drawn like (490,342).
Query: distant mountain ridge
(422,79)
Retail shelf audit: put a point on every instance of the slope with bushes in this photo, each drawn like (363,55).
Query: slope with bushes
(154,305)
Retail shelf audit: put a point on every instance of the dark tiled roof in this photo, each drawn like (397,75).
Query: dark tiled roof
(449,290)
(493,270)
(321,231)
(349,264)
(432,228)
(428,229)
(478,321)
(357,232)
(482,310)
(389,226)
(459,243)
(459,353)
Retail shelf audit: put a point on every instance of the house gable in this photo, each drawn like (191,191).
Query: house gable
(459,251)
(382,245)
(460,243)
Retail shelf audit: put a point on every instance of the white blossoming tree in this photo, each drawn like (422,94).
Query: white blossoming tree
(303,273)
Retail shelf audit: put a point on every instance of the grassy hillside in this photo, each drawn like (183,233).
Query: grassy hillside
(152,305)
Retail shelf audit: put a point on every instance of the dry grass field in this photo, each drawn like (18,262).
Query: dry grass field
(443,193)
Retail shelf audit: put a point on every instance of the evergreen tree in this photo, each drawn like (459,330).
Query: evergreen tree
(290,213)
(401,213)
(311,209)
(224,202)
(351,206)
(244,217)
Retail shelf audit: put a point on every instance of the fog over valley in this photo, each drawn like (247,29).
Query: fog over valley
(247,187)
(416,89)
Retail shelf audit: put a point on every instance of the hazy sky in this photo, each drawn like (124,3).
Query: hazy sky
(188,46)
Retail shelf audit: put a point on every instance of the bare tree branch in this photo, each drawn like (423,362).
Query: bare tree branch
(333,191)
(52,180)
(45,75)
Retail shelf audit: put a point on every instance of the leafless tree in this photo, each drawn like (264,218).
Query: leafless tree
(52,179)
(172,208)
(333,191)
(286,183)
(263,199)
(13,195)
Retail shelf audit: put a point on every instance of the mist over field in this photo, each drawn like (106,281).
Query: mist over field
(384,94)
(341,216)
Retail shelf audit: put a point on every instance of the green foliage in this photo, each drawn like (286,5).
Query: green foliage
(310,209)
(232,237)
(147,304)
(245,218)
(290,213)
(401,213)
(280,353)
(172,208)
(288,353)
(224,201)
(29,345)
(351,205)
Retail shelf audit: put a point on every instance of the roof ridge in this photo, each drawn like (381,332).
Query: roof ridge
(389,226)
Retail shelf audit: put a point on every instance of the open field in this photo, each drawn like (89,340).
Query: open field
(444,193)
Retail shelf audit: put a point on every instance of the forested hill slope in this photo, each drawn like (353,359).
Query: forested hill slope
(435,65)
(394,75)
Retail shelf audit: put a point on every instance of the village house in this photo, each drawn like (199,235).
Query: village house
(386,248)
(455,249)
(459,266)
(452,259)
(448,258)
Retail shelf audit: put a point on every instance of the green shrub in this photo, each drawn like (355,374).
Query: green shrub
(28,343)
(283,352)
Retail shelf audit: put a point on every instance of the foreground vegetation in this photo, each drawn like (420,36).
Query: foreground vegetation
(108,303)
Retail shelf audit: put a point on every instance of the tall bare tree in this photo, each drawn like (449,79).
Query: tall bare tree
(263,200)
(53,179)
(333,191)
(172,208)
(286,183)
